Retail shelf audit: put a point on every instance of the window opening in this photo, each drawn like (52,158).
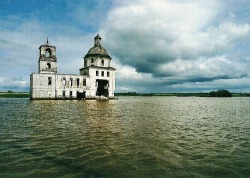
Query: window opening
(102,73)
(71,82)
(102,62)
(49,81)
(107,74)
(63,82)
(48,65)
(78,82)
(97,73)
(84,82)
(47,53)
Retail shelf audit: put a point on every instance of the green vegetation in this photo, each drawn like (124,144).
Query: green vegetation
(11,94)
(220,93)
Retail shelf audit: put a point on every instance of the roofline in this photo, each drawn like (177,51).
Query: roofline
(98,67)
(46,46)
(98,55)
(77,75)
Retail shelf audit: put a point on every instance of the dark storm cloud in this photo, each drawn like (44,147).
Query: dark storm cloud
(151,35)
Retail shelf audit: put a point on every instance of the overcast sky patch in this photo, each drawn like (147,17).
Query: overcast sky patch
(156,46)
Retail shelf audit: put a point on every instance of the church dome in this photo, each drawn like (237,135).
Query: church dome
(97,50)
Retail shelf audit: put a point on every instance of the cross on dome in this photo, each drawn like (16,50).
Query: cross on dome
(98,40)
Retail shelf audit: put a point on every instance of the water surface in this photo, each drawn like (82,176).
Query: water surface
(129,137)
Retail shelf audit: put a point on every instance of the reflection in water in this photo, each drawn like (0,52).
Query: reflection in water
(129,137)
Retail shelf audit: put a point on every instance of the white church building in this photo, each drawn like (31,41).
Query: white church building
(96,78)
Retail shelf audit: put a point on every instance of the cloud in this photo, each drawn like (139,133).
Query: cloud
(176,41)
(161,45)
(14,84)
(212,68)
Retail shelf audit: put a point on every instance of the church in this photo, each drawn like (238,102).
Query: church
(96,79)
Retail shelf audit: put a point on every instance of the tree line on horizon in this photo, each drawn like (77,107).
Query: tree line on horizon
(218,93)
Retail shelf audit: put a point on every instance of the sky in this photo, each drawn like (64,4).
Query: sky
(156,46)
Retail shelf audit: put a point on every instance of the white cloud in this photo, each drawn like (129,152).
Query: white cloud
(14,84)
(155,45)
(175,41)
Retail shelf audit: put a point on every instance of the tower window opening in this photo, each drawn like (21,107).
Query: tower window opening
(92,61)
(48,53)
(102,62)
(48,65)
(49,81)
(107,74)
(97,73)
(102,73)
(84,82)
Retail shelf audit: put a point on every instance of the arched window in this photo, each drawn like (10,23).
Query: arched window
(63,82)
(102,62)
(48,53)
(48,65)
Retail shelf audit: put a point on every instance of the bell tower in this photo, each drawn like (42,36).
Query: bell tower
(47,58)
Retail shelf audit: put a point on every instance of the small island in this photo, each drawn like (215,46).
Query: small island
(220,93)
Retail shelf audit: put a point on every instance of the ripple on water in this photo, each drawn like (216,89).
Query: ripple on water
(129,137)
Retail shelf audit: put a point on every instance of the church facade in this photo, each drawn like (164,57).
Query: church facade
(96,78)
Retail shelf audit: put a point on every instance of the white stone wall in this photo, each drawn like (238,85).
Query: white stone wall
(61,83)
(40,86)
(110,79)
(69,85)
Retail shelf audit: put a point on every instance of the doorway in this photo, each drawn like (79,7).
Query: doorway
(80,95)
(102,87)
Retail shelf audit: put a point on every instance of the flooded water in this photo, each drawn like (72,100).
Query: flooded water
(129,137)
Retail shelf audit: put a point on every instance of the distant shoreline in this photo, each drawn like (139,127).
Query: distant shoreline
(178,94)
(27,94)
(14,95)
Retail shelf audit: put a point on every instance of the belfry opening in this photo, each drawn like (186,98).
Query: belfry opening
(102,87)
